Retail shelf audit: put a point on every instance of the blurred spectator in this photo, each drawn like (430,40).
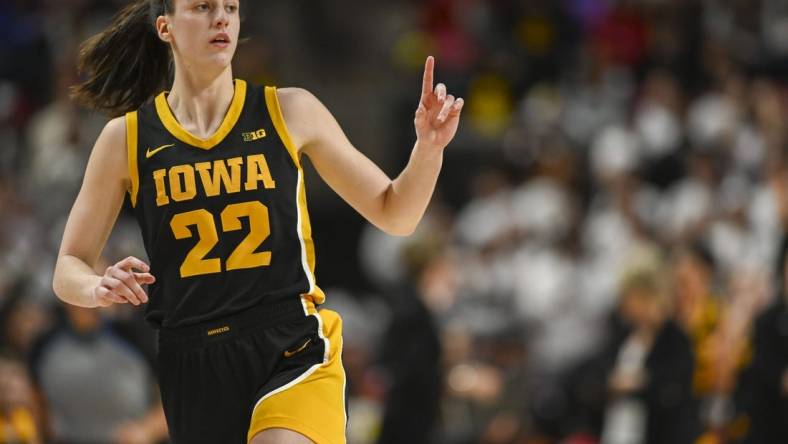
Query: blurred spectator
(19,420)
(621,36)
(764,385)
(59,139)
(718,329)
(96,382)
(648,370)
(410,351)
(22,319)
(697,310)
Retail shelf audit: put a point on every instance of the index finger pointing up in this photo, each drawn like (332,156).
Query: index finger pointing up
(426,84)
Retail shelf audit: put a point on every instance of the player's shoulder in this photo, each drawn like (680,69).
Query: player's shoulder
(110,153)
(294,98)
(115,129)
(302,111)
(113,137)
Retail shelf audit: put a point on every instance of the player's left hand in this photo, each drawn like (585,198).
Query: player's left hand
(438,113)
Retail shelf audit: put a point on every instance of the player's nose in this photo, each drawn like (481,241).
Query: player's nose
(221,19)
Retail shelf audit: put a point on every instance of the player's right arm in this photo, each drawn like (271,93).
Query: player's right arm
(89,224)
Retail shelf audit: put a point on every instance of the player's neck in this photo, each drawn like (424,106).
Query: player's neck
(200,102)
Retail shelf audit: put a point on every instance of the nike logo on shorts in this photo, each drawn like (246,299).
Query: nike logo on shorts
(290,354)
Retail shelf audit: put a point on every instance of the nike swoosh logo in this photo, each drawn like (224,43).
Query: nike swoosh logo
(150,152)
(290,354)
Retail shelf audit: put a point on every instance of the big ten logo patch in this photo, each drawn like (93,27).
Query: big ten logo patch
(253,135)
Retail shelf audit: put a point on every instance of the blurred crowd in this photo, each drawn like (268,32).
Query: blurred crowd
(604,260)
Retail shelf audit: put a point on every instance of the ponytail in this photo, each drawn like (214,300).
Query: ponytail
(127,63)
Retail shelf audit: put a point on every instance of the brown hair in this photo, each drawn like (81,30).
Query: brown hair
(127,63)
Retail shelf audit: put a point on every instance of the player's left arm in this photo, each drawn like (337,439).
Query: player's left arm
(395,206)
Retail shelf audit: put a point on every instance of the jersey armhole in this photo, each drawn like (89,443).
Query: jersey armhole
(275,111)
(131,146)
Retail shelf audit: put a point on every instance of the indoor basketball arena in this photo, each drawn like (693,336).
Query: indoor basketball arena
(393,222)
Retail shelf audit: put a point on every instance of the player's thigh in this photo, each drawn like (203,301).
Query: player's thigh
(280,436)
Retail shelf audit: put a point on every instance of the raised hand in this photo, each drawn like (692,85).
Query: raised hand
(438,113)
(121,284)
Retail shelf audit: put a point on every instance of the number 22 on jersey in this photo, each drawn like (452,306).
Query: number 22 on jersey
(243,256)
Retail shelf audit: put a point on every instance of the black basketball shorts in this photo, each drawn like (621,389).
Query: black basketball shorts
(276,366)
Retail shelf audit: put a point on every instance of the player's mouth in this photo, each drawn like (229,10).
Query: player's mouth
(220,40)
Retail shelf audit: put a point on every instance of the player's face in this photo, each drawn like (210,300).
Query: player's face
(204,33)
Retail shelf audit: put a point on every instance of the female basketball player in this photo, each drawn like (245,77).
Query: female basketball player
(213,172)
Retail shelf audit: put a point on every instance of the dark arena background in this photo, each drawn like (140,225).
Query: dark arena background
(603,261)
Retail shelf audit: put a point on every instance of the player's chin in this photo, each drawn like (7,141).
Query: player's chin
(220,58)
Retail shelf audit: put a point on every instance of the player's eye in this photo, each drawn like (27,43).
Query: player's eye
(231,8)
(202,6)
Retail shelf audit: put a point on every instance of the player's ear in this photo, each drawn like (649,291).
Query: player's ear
(164,28)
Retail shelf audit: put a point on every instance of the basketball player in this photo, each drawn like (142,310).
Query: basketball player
(214,174)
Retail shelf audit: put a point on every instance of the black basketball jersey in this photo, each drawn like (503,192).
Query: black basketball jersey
(224,219)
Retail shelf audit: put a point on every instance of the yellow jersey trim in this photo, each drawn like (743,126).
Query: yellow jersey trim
(304,227)
(131,146)
(275,111)
(230,119)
